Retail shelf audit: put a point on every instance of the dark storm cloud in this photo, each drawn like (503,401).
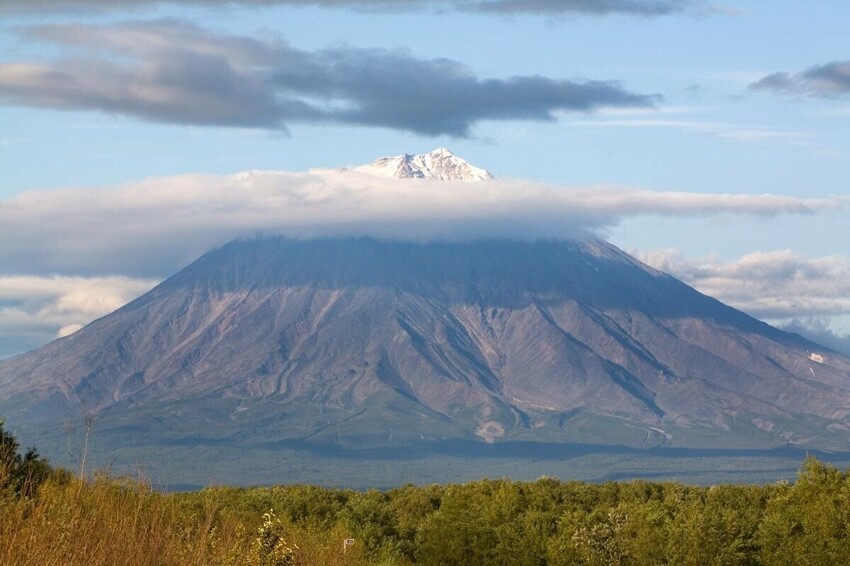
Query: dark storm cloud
(439,96)
(829,80)
(548,7)
(175,72)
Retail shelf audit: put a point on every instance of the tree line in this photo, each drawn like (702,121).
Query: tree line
(549,522)
(51,516)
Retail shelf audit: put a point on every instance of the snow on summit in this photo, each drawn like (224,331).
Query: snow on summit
(440,164)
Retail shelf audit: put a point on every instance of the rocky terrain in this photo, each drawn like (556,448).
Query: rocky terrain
(363,343)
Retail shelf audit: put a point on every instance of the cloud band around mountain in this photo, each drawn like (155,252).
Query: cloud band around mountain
(175,72)
(151,228)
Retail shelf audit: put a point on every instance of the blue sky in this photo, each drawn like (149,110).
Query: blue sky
(662,97)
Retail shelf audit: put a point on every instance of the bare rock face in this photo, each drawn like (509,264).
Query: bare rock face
(358,342)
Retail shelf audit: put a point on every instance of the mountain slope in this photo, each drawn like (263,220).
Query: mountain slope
(362,343)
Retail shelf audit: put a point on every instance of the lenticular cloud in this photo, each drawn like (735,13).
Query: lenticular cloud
(154,226)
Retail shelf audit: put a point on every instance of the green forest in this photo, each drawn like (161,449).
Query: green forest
(51,516)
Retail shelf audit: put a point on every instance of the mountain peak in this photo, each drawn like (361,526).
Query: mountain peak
(440,164)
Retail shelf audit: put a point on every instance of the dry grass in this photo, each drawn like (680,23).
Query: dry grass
(113,522)
(107,522)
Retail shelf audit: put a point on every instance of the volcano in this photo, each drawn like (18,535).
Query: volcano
(368,348)
(364,343)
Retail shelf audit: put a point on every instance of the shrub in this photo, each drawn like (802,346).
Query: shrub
(20,474)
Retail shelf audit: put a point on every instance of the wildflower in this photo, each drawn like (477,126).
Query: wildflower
(270,548)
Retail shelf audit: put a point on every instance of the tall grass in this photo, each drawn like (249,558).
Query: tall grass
(117,522)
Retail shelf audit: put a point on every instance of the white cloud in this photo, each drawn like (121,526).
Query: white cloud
(153,227)
(35,309)
(778,286)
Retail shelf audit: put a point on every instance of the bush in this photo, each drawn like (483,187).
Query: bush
(20,474)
